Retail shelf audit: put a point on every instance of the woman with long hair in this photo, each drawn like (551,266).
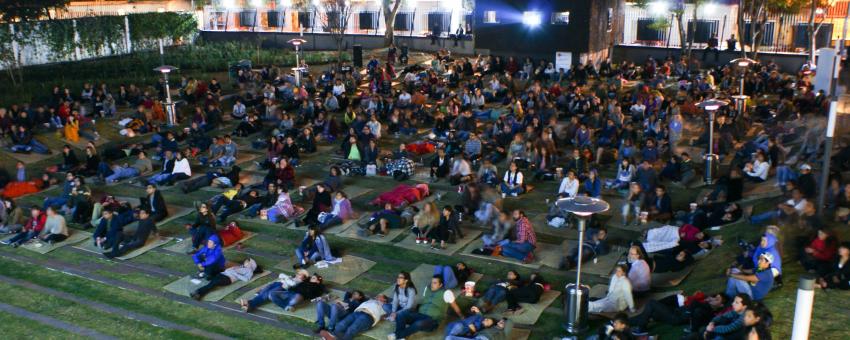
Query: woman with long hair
(404,295)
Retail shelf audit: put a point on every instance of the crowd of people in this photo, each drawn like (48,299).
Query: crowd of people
(620,131)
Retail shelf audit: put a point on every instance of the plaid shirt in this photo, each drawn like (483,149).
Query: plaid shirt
(403,164)
(525,232)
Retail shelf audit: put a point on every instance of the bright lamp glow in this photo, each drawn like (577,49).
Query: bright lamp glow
(257,3)
(531,18)
(819,11)
(709,8)
(286,3)
(712,107)
(228,3)
(658,7)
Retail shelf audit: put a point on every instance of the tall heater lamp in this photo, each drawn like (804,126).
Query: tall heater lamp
(577,295)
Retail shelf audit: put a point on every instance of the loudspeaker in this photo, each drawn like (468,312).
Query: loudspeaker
(357,55)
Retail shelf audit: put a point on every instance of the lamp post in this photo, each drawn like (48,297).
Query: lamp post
(170,113)
(803,308)
(297,69)
(576,307)
(711,106)
(743,65)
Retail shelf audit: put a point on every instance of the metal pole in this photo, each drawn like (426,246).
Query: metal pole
(830,132)
(803,308)
(169,106)
(709,158)
(581,229)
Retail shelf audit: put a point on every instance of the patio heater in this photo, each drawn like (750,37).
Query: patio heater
(743,65)
(711,106)
(575,308)
(297,42)
(170,112)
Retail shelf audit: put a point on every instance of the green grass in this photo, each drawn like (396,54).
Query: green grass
(16,327)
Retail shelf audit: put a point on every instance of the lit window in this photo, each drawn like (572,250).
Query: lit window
(490,17)
(561,18)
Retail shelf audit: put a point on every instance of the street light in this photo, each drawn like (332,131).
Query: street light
(711,106)
(297,42)
(743,65)
(576,307)
(170,113)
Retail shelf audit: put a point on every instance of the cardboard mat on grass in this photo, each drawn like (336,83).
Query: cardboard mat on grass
(343,272)
(600,265)
(185,244)
(545,254)
(305,311)
(29,158)
(41,247)
(355,232)
(409,242)
(421,277)
(531,312)
(185,287)
(153,242)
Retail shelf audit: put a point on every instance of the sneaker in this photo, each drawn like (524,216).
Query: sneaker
(318,329)
(7,242)
(504,195)
(391,336)
(514,194)
(326,335)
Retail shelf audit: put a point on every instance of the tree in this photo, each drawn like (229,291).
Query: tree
(27,10)
(814,27)
(334,19)
(758,11)
(390,9)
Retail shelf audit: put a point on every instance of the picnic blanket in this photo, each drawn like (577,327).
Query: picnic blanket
(184,286)
(75,236)
(342,273)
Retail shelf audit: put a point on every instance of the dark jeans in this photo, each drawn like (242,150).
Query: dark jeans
(528,294)
(22,237)
(352,325)
(219,280)
(121,249)
(55,238)
(200,235)
(495,295)
(660,312)
(333,311)
(408,323)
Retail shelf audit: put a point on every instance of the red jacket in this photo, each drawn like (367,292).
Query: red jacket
(824,250)
(36,224)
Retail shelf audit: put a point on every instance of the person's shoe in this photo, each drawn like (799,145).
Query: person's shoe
(288,309)
(514,194)
(195,296)
(391,336)
(15,245)
(318,329)
(108,255)
(50,242)
(296,266)
(7,242)
(298,223)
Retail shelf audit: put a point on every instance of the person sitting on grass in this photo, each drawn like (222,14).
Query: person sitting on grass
(182,170)
(31,229)
(755,285)
(727,324)
(70,161)
(335,311)
(110,225)
(619,297)
(404,295)
(429,315)
(116,173)
(528,293)
(314,248)
(497,292)
(522,247)
(470,326)
(63,198)
(287,299)
(838,274)
(340,212)
(143,231)
(244,272)
(640,273)
(202,229)
(617,328)
(512,183)
(24,142)
(55,229)
(363,318)
(283,209)
(444,229)
(210,259)
(595,245)
(424,220)
(154,203)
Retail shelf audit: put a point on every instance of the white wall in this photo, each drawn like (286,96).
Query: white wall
(726,15)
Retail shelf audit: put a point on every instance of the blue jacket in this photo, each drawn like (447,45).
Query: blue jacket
(210,257)
(771,248)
